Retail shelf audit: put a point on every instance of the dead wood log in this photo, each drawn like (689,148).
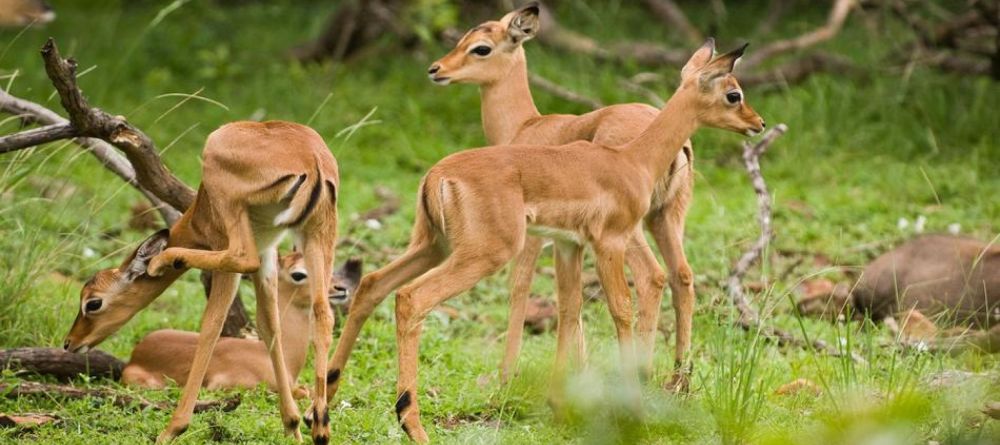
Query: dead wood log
(749,320)
(351,27)
(60,364)
(97,132)
(117,398)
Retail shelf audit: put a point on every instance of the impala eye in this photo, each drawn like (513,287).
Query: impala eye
(734,97)
(482,50)
(93,305)
(299,277)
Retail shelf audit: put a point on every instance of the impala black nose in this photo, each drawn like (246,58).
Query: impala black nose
(434,69)
(66,345)
(762,124)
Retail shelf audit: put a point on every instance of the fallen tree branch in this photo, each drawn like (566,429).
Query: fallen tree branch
(563,92)
(60,364)
(749,319)
(119,399)
(834,23)
(673,16)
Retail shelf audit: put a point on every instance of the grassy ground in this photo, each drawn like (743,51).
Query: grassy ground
(862,153)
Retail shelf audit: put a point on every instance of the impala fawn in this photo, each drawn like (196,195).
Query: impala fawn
(490,55)
(475,206)
(260,180)
(167,354)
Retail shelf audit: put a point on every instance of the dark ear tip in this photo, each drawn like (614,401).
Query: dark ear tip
(739,51)
(709,42)
(532,7)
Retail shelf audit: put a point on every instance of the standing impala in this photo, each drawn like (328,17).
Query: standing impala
(475,206)
(260,180)
(166,355)
(490,55)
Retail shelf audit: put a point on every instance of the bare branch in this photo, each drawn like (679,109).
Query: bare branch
(562,92)
(749,320)
(835,21)
(120,399)
(104,152)
(674,17)
(91,122)
(36,136)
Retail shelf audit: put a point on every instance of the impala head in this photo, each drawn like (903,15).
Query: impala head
(18,13)
(487,52)
(293,279)
(720,97)
(113,296)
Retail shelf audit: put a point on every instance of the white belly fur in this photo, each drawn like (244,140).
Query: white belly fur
(555,234)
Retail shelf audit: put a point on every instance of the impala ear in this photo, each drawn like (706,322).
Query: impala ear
(135,265)
(522,24)
(351,271)
(725,63)
(699,59)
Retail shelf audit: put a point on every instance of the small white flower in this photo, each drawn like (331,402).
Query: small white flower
(903,223)
(921,346)
(88,252)
(345,404)
(954,228)
(373,224)
(918,226)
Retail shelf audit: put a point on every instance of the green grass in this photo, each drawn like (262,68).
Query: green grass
(861,153)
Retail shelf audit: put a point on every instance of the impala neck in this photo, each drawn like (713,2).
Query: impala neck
(296,327)
(507,103)
(658,145)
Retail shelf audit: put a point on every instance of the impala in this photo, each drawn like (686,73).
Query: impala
(166,355)
(491,56)
(474,207)
(260,180)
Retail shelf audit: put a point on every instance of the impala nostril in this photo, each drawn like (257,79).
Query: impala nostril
(434,69)
(66,345)
(762,124)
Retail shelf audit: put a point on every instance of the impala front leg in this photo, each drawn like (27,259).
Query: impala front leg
(239,257)
(611,272)
(650,280)
(319,260)
(223,292)
(522,271)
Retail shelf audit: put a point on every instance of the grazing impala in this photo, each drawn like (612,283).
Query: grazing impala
(475,206)
(166,355)
(490,55)
(260,180)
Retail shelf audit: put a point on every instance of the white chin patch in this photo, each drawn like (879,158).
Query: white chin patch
(83,349)
(442,82)
(751,132)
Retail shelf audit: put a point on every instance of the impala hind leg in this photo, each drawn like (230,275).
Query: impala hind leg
(374,287)
(223,292)
(318,254)
(650,280)
(269,326)
(522,271)
(458,273)
(668,230)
